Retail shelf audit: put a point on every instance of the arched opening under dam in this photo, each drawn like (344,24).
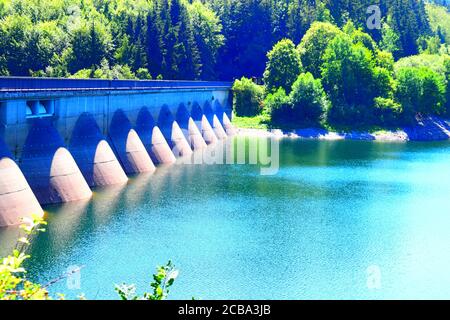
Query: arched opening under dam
(173,133)
(94,155)
(203,124)
(190,130)
(49,167)
(153,139)
(128,146)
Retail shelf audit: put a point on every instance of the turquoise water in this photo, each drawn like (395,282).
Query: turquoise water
(334,212)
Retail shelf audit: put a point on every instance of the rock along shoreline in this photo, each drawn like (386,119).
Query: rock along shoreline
(428,129)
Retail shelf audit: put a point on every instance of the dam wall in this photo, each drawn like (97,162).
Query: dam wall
(59,138)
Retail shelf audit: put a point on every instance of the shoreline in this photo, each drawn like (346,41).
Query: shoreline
(429,129)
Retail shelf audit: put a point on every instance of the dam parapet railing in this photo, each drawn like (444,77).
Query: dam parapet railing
(30,84)
(61,137)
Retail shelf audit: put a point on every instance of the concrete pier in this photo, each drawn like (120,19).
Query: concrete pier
(153,139)
(203,124)
(17,201)
(214,121)
(190,129)
(49,167)
(128,146)
(173,133)
(59,137)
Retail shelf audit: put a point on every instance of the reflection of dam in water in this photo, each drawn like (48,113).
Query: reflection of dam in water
(59,138)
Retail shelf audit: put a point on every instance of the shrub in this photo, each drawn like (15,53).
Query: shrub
(13,282)
(308,98)
(163,280)
(420,90)
(433,61)
(283,66)
(433,94)
(390,40)
(279,107)
(353,115)
(143,74)
(387,111)
(314,43)
(359,36)
(385,60)
(429,44)
(248,98)
(348,73)
(383,83)
(82,74)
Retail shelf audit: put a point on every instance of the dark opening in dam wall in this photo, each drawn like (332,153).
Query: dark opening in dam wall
(59,137)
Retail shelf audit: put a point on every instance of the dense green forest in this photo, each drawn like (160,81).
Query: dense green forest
(342,77)
(320,61)
(183,39)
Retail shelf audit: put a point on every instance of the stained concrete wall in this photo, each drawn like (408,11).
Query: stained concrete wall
(66,140)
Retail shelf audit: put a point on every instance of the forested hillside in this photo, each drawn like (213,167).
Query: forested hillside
(180,39)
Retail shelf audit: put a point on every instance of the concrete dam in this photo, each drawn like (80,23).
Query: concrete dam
(61,137)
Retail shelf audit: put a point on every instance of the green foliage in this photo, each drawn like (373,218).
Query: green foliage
(279,107)
(196,39)
(387,111)
(439,17)
(104,71)
(409,20)
(420,90)
(359,36)
(283,66)
(15,286)
(208,35)
(163,280)
(349,74)
(314,44)
(13,282)
(385,60)
(83,74)
(90,44)
(248,97)
(143,74)
(303,13)
(429,44)
(308,98)
(177,39)
(15,35)
(383,83)
(184,62)
(257,122)
(363,82)
(390,41)
(353,80)
(432,61)
(447,79)
(228,39)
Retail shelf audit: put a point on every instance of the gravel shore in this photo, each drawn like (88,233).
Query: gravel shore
(428,129)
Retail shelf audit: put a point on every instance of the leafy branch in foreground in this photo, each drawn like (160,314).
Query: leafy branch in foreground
(13,282)
(15,286)
(163,279)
